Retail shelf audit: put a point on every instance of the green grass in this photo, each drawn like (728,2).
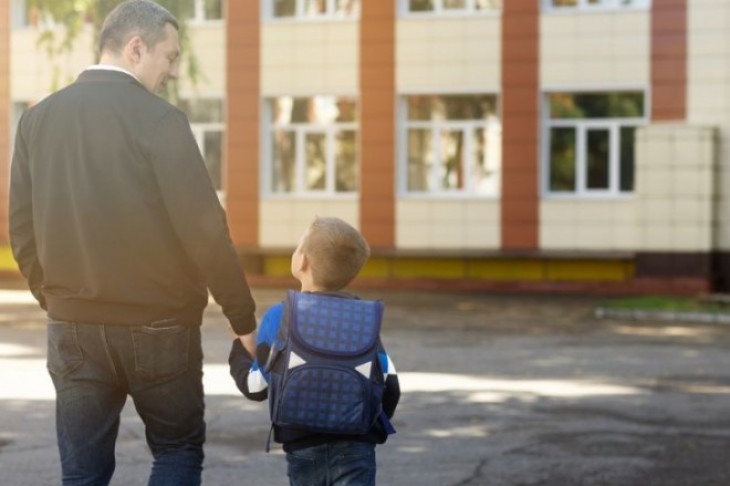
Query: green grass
(667,304)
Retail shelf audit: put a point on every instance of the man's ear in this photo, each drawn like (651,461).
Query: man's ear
(134,49)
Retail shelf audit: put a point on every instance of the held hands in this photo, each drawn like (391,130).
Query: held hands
(248,341)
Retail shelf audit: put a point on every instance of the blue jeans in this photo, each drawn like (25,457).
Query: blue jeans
(94,367)
(342,463)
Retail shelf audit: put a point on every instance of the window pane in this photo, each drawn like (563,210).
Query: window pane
(454,4)
(486,162)
(284,155)
(452,107)
(597,105)
(420,5)
(202,110)
(420,159)
(316,109)
(452,156)
(626,175)
(346,176)
(562,159)
(315,173)
(214,9)
(598,159)
(284,8)
(213,146)
(487,4)
(315,8)
(347,8)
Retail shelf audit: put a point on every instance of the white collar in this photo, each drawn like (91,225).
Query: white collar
(110,67)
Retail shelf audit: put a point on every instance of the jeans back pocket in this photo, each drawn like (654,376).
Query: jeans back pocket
(161,352)
(64,352)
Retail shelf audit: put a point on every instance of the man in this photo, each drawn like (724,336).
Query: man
(118,230)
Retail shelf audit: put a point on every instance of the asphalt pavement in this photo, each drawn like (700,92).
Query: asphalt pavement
(497,390)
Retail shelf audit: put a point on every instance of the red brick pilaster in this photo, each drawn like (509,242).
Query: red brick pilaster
(669,60)
(4,116)
(241,151)
(377,122)
(520,125)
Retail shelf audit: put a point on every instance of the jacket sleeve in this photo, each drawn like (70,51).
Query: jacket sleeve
(22,235)
(391,396)
(198,218)
(248,371)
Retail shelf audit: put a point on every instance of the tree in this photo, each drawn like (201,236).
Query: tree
(61,22)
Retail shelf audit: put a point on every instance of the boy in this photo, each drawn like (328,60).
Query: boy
(329,256)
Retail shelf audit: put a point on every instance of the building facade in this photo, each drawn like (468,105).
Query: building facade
(519,145)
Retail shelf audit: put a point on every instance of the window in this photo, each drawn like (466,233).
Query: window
(452,145)
(206,122)
(17,108)
(312,144)
(312,9)
(559,5)
(207,10)
(445,7)
(589,140)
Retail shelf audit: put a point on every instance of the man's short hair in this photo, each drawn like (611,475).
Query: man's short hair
(143,18)
(336,252)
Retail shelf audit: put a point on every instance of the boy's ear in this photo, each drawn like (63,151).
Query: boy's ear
(303,263)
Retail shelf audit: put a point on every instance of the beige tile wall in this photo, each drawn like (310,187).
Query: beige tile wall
(449,225)
(671,209)
(32,73)
(309,58)
(708,97)
(283,221)
(605,225)
(208,41)
(595,48)
(675,187)
(462,54)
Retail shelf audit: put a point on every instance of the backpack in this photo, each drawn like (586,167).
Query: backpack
(325,375)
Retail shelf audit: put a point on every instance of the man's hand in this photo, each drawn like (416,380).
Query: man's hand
(249,343)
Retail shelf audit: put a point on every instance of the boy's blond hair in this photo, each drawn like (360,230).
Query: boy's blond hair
(336,252)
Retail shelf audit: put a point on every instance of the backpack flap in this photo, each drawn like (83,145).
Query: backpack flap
(335,326)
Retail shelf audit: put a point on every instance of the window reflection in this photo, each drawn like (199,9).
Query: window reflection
(591,141)
(562,159)
(285,8)
(458,6)
(453,144)
(316,161)
(314,145)
(284,161)
(206,122)
(315,9)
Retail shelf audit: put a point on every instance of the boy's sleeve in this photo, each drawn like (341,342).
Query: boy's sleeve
(391,396)
(246,370)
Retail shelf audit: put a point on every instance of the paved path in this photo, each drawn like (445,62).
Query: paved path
(498,390)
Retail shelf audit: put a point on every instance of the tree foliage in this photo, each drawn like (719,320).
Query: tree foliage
(60,23)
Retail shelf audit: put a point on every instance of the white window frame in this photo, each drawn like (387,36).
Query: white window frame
(199,130)
(582,125)
(468,126)
(585,6)
(199,18)
(267,10)
(300,130)
(440,11)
